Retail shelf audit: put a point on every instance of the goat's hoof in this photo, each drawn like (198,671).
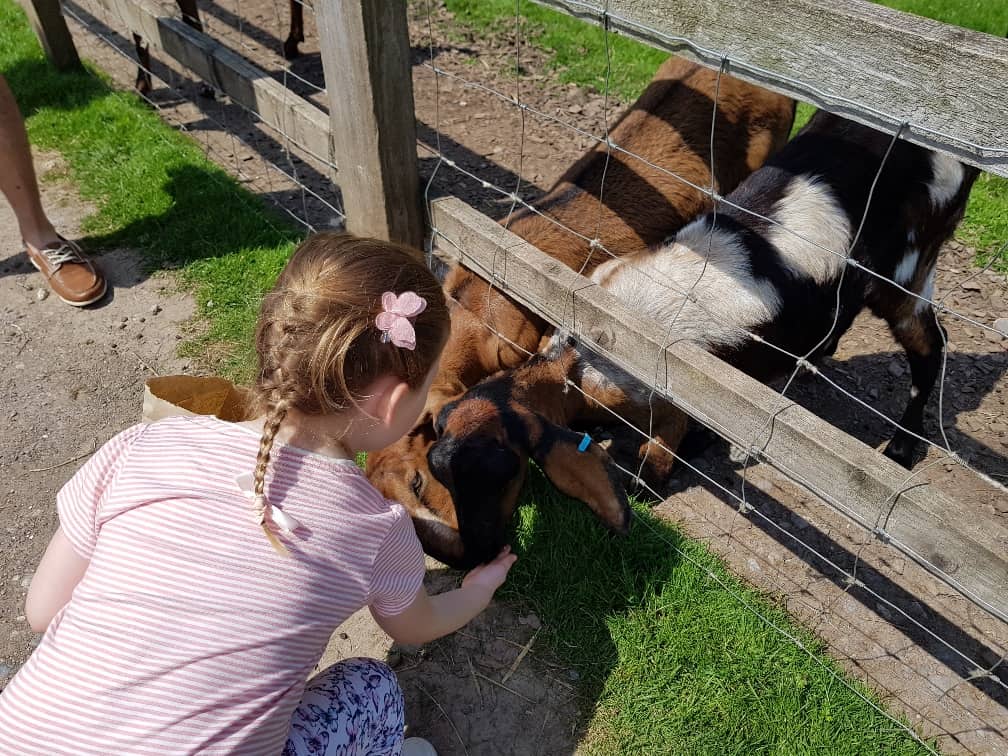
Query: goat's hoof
(290,50)
(902,450)
(143,85)
(207,92)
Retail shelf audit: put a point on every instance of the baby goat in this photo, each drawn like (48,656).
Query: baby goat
(638,206)
(772,270)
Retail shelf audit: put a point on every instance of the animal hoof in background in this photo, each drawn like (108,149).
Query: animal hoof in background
(290,47)
(143,84)
(902,450)
(207,92)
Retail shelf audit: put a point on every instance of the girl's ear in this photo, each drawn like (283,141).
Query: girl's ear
(383,399)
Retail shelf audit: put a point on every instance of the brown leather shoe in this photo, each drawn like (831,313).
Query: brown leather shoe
(71,276)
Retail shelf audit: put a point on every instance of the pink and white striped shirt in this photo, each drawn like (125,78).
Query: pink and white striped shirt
(188,633)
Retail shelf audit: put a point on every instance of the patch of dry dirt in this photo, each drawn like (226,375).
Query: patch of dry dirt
(898,656)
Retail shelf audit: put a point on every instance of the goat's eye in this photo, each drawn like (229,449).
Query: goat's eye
(417,484)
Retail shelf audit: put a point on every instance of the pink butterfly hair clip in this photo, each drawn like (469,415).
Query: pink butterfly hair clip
(395,322)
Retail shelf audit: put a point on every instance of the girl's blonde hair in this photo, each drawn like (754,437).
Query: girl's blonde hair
(316,340)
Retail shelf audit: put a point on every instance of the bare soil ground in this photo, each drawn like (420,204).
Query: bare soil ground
(452,700)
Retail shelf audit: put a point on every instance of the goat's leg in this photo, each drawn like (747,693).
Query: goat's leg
(143,80)
(296,35)
(922,338)
(190,15)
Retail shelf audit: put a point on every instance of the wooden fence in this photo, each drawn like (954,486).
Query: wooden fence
(946,87)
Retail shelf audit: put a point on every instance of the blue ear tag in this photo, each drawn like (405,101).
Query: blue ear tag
(585,441)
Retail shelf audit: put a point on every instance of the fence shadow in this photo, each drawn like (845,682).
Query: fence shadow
(968,640)
(871,377)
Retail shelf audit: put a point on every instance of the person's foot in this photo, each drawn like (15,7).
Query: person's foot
(71,276)
(417,747)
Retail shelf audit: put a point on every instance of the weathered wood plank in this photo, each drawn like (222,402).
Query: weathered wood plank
(306,125)
(864,61)
(366,58)
(847,474)
(46,18)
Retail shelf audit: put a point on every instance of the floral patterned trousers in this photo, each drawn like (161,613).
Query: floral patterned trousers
(353,708)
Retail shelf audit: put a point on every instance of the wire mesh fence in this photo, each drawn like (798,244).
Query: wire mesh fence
(498,178)
(985,470)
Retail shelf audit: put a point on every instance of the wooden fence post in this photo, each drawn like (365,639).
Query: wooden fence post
(50,27)
(366,59)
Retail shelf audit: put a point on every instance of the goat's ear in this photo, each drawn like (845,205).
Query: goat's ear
(581,468)
(444,390)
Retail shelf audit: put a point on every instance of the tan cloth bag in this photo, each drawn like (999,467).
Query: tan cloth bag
(193,395)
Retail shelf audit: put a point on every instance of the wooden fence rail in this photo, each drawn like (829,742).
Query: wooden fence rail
(863,61)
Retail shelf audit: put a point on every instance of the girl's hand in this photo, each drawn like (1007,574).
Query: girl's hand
(491,576)
(430,617)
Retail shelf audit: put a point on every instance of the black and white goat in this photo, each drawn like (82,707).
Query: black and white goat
(776,269)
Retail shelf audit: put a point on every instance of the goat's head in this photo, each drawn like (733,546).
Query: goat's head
(401,473)
(485,439)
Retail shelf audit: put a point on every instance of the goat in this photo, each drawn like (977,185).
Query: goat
(190,15)
(670,126)
(762,271)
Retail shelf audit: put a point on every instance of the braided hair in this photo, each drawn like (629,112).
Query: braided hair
(317,345)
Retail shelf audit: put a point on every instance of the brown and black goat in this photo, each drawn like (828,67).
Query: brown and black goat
(669,126)
(190,15)
(774,273)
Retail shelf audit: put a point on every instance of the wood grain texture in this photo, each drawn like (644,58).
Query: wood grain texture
(854,478)
(864,61)
(366,57)
(306,125)
(49,25)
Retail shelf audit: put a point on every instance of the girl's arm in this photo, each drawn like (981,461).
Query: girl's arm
(430,617)
(57,575)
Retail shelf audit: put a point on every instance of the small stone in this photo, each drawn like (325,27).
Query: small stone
(143,320)
(895,368)
(89,341)
(26,581)
(1001,324)
(971,286)
(121,326)
(5,671)
(530,620)
(123,319)
(155,309)
(138,336)
(41,294)
(344,636)
(753,565)
(573,675)
(209,303)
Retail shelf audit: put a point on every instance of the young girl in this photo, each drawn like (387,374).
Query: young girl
(200,567)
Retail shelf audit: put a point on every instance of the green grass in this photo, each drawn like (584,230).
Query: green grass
(579,56)
(154,189)
(989,16)
(669,660)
